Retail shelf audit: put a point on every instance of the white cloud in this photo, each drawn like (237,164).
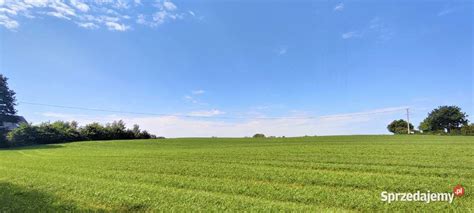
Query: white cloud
(62,8)
(169,6)
(160,17)
(60,115)
(8,22)
(117,26)
(88,25)
(114,15)
(119,4)
(8,11)
(38,3)
(80,5)
(58,15)
(446,12)
(191,13)
(141,19)
(208,113)
(382,32)
(198,92)
(376,28)
(191,99)
(282,51)
(351,34)
(339,7)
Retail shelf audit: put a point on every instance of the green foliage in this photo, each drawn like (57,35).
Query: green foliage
(94,131)
(7,98)
(45,133)
(306,174)
(60,132)
(25,134)
(7,108)
(258,135)
(444,118)
(468,130)
(399,127)
(3,138)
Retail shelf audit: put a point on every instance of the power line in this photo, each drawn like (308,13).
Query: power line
(212,117)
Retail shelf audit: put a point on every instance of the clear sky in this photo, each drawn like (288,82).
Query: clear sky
(230,63)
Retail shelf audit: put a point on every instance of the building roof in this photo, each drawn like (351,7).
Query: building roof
(12,119)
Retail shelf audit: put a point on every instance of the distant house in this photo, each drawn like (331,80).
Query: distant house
(9,122)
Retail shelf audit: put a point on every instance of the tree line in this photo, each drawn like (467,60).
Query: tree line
(60,132)
(444,120)
(56,132)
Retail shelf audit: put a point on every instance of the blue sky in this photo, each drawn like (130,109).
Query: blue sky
(230,63)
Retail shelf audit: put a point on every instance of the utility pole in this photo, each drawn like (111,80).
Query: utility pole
(408,120)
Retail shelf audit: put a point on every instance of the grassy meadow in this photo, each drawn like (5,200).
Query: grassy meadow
(334,173)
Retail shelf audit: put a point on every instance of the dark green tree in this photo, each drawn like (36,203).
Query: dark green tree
(399,127)
(444,118)
(7,98)
(7,107)
(136,130)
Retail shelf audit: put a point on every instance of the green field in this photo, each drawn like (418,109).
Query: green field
(339,173)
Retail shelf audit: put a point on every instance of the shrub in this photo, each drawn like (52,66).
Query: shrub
(117,130)
(93,131)
(399,127)
(468,129)
(258,135)
(25,134)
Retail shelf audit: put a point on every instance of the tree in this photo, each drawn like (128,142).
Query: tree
(94,131)
(7,98)
(259,135)
(399,127)
(7,107)
(136,131)
(444,118)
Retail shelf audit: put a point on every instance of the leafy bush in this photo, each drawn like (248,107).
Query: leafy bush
(25,134)
(399,127)
(468,130)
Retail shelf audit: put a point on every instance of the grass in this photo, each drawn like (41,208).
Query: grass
(339,173)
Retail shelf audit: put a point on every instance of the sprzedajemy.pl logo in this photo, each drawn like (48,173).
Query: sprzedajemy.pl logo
(426,197)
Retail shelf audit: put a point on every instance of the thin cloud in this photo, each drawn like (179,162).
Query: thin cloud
(376,28)
(91,14)
(117,26)
(193,97)
(282,51)
(446,11)
(81,6)
(169,6)
(351,34)
(206,113)
(339,7)
(8,23)
(198,92)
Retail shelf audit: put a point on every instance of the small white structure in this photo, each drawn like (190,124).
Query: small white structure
(9,124)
